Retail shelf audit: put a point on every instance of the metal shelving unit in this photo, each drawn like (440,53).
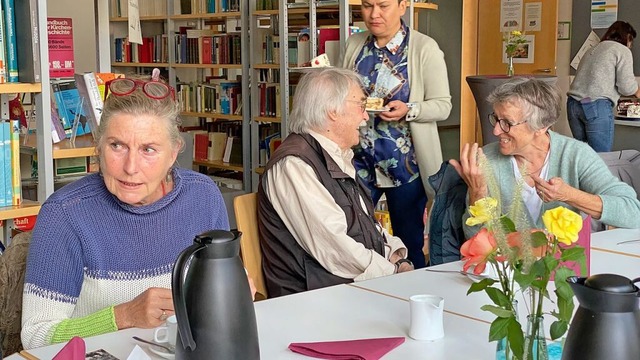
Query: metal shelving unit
(43,142)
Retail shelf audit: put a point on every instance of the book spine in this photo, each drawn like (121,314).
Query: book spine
(57,130)
(15,163)
(6,139)
(4,176)
(92,105)
(10,37)
(95,96)
(3,58)
(26,16)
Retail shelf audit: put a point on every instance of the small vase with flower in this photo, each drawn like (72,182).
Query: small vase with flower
(513,41)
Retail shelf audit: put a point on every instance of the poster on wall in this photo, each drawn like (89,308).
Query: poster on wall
(135,32)
(524,54)
(603,13)
(592,40)
(510,15)
(61,60)
(533,16)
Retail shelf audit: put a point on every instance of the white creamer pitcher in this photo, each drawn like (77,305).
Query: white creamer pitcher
(426,317)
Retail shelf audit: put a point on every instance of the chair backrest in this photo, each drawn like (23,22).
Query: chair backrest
(246,210)
(13,263)
(625,164)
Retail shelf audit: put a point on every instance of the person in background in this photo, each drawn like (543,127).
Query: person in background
(103,247)
(554,170)
(605,72)
(400,148)
(315,217)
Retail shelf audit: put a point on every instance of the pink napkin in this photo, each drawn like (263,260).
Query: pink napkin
(365,349)
(74,350)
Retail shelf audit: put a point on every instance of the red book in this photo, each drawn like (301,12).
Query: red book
(207,50)
(61,59)
(200,145)
(326,34)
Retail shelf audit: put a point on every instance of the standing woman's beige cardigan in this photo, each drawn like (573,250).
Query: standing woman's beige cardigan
(429,86)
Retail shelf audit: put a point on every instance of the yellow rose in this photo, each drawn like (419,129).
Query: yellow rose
(516,33)
(482,211)
(563,223)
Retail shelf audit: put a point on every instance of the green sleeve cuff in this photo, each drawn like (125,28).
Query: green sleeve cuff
(100,322)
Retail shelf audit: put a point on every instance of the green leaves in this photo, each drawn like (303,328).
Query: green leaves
(497,311)
(558,328)
(481,285)
(565,300)
(575,254)
(498,297)
(508,327)
(538,239)
(507,225)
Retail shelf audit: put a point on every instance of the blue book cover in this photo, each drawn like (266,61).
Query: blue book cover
(70,104)
(10,37)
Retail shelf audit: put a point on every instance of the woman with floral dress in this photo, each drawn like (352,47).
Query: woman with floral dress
(400,147)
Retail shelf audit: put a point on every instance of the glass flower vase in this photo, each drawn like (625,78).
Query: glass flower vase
(535,343)
(510,70)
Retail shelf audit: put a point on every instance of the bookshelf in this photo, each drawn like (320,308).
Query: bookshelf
(284,21)
(197,74)
(273,71)
(42,142)
(83,147)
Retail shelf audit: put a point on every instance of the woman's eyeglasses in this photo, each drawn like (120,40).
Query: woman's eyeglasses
(363,104)
(505,125)
(153,89)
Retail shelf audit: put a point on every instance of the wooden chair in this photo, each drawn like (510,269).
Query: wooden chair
(246,210)
(13,263)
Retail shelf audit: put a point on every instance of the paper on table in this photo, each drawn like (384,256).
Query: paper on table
(138,354)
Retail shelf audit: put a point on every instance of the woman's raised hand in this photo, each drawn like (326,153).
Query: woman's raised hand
(469,170)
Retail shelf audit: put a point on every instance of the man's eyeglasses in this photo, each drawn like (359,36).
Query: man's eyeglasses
(153,89)
(505,125)
(363,104)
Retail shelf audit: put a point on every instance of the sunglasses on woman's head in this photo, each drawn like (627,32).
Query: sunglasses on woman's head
(153,89)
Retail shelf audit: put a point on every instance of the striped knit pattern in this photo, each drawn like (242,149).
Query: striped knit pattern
(90,251)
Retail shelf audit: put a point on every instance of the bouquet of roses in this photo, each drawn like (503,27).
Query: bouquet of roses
(523,259)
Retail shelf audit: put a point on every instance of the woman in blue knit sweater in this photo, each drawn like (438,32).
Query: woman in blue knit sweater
(554,170)
(103,247)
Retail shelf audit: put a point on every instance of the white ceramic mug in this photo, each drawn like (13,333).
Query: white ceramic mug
(426,317)
(167,333)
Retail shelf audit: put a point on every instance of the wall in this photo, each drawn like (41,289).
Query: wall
(84,32)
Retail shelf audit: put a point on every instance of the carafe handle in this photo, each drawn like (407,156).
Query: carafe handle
(177,285)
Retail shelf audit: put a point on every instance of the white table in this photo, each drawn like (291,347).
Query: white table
(607,256)
(336,313)
(345,312)
(615,251)
(380,308)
